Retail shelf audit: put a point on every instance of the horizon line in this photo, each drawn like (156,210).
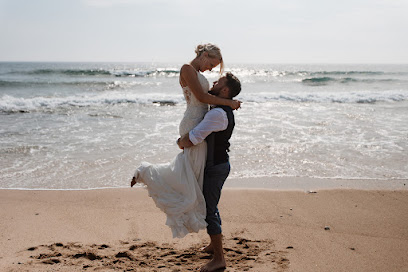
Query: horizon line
(175,62)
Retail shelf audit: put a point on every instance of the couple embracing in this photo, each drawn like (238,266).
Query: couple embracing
(188,189)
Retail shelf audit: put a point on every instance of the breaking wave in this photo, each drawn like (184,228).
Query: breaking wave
(363,97)
(102,72)
(11,104)
(316,81)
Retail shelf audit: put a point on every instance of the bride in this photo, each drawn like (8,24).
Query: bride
(176,187)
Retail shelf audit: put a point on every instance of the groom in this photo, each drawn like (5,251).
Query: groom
(216,128)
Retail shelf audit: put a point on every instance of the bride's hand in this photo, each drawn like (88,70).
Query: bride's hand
(178,143)
(235,104)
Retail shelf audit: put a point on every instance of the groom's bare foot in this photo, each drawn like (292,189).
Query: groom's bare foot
(214,265)
(208,249)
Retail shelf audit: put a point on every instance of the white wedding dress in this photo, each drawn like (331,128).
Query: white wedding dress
(176,187)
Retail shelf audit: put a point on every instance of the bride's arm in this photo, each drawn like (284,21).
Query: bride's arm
(189,76)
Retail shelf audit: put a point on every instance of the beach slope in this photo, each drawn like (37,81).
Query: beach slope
(264,230)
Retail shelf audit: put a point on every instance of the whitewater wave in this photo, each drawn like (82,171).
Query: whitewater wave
(349,73)
(72,72)
(329,97)
(28,84)
(148,73)
(108,84)
(172,72)
(304,73)
(159,72)
(318,81)
(10,104)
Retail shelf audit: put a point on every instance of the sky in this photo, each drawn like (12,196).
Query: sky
(256,31)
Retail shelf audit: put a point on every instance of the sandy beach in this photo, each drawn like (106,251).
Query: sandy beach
(264,230)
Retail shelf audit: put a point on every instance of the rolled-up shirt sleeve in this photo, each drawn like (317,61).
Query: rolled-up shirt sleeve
(214,120)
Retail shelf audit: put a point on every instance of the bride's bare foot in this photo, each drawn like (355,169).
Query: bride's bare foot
(133,182)
(214,265)
(134,179)
(208,249)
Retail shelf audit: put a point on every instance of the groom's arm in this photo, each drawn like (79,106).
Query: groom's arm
(215,120)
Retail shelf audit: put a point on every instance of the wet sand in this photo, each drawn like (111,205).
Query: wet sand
(264,230)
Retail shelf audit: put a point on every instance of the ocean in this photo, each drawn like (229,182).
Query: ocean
(89,125)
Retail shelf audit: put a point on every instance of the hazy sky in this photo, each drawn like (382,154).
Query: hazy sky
(264,31)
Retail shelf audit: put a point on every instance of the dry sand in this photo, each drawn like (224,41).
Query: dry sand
(264,230)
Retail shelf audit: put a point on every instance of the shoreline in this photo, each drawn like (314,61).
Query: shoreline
(263,230)
(307,183)
(280,184)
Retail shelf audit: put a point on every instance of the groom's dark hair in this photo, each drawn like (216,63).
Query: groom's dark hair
(233,84)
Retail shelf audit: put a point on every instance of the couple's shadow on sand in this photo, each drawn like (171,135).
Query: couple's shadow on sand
(241,255)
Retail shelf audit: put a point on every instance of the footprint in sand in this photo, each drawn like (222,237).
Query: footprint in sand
(242,254)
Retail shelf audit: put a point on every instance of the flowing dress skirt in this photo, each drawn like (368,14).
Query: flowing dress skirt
(176,188)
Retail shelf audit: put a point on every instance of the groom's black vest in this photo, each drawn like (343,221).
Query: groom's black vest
(218,142)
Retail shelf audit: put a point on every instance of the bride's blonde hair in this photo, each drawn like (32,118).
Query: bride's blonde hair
(213,52)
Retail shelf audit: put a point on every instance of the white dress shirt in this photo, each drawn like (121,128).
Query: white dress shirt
(214,120)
